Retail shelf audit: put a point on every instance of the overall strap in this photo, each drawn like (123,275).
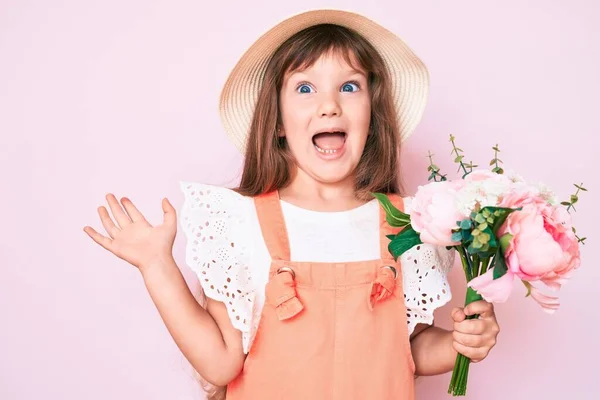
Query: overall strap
(272,225)
(385,229)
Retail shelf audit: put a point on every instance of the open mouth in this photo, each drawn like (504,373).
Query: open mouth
(329,142)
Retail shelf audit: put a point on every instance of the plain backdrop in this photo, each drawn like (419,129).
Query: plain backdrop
(121,97)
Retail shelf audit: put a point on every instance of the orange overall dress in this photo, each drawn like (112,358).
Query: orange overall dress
(327,330)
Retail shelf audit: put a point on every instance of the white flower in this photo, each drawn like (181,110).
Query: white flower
(513,176)
(483,189)
(547,194)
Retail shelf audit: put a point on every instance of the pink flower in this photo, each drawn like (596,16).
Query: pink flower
(483,175)
(548,303)
(543,245)
(520,195)
(493,291)
(543,248)
(434,212)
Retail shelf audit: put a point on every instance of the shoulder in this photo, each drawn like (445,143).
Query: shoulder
(219,230)
(209,199)
(211,213)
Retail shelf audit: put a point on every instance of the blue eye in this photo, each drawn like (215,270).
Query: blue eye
(350,87)
(304,88)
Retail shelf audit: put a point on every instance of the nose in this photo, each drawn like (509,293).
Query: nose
(329,106)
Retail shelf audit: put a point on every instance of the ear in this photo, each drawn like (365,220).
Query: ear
(280,132)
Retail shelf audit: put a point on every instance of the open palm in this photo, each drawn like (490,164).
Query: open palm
(132,238)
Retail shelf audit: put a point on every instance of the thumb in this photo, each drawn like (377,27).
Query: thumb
(458,314)
(170,216)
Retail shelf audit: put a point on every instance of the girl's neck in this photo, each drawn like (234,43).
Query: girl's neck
(310,194)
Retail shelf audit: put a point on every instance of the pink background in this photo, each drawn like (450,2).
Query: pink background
(121,96)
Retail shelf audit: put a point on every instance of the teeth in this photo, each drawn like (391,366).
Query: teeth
(320,150)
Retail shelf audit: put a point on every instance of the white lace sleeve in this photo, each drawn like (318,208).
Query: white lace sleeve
(425,270)
(218,251)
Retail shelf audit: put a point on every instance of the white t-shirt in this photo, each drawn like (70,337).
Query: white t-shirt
(226,250)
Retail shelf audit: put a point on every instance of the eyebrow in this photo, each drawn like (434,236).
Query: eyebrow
(350,72)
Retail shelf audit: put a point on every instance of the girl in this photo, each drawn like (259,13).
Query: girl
(302,299)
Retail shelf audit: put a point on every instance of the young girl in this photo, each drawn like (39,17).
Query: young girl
(302,298)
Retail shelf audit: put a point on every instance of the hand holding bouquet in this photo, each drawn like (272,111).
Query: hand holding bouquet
(502,227)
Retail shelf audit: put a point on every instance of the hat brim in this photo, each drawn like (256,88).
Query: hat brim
(409,75)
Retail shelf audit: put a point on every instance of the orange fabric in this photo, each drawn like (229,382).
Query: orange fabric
(327,330)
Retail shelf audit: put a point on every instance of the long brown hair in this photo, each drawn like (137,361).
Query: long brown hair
(268,162)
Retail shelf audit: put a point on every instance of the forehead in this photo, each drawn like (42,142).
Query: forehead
(344,59)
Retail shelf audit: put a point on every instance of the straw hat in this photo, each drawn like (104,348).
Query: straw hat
(409,75)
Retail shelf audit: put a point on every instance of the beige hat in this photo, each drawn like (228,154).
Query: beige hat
(409,76)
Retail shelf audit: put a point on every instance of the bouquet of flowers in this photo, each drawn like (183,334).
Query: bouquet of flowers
(502,227)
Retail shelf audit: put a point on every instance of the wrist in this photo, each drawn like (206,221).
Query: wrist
(160,262)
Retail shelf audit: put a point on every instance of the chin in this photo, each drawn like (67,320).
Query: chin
(331,175)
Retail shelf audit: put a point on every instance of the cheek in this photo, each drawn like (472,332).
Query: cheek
(295,117)
(360,110)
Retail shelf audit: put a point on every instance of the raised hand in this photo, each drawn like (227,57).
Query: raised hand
(132,238)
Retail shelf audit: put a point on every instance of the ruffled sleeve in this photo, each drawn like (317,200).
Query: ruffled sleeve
(218,249)
(425,270)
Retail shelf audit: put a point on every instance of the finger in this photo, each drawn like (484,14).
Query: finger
(117,211)
(481,307)
(476,354)
(132,210)
(170,217)
(107,222)
(467,339)
(98,238)
(458,314)
(470,326)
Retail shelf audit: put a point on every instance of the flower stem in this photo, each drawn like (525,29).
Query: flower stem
(466,261)
(460,373)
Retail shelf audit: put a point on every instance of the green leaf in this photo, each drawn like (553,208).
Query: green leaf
(580,187)
(456,236)
(404,241)
(505,241)
(565,203)
(493,242)
(467,236)
(394,217)
(574,199)
(466,224)
(505,211)
(500,267)
(458,159)
(493,162)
